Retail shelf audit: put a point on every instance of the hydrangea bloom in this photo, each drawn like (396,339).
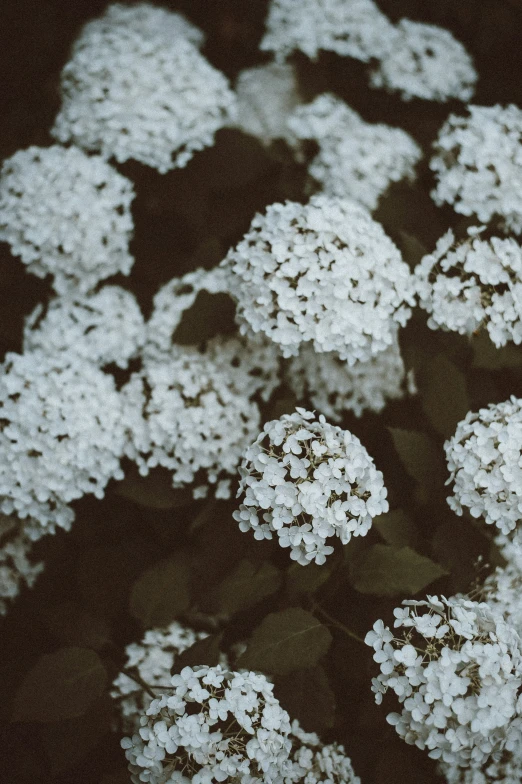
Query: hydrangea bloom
(315,763)
(324,272)
(356,29)
(484,463)
(356,160)
(456,669)
(478,164)
(102,328)
(16,569)
(266,97)
(137,86)
(152,659)
(308,481)
(334,387)
(66,214)
(189,411)
(506,770)
(502,590)
(510,546)
(473,284)
(214,725)
(61,436)
(426,61)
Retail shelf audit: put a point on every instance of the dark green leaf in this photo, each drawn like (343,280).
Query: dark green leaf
(444,395)
(385,570)
(412,250)
(154,491)
(285,641)
(396,528)
(61,685)
(421,458)
(486,355)
(246,586)
(308,697)
(161,592)
(206,651)
(305,579)
(73,625)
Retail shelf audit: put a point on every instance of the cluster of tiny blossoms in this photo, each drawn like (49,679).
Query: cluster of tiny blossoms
(213,725)
(66,214)
(308,481)
(484,463)
(473,284)
(455,667)
(137,87)
(506,770)
(16,567)
(356,160)
(478,165)
(324,272)
(317,763)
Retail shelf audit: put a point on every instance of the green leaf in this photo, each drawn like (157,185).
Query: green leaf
(308,697)
(206,651)
(487,356)
(289,640)
(305,580)
(247,586)
(161,592)
(61,685)
(396,528)
(421,458)
(412,250)
(444,395)
(386,570)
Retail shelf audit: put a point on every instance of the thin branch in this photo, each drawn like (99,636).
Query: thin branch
(334,622)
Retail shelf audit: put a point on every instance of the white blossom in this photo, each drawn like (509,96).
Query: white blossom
(152,660)
(66,214)
(16,567)
(356,160)
(102,328)
(455,667)
(190,412)
(266,97)
(426,61)
(484,463)
(137,87)
(478,165)
(502,590)
(324,272)
(308,481)
(317,763)
(61,436)
(214,725)
(351,29)
(334,387)
(473,284)
(506,770)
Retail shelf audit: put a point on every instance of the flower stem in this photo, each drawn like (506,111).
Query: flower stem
(334,622)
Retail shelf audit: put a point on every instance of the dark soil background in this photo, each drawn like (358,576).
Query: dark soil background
(183,220)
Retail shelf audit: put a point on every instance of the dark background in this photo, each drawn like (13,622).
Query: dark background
(190,218)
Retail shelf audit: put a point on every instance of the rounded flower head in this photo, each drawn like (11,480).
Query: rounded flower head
(308,481)
(506,770)
(102,328)
(502,590)
(478,165)
(474,284)
(484,462)
(455,667)
(16,567)
(152,660)
(61,436)
(213,725)
(356,29)
(317,763)
(128,89)
(324,272)
(335,388)
(426,61)
(66,214)
(190,411)
(356,160)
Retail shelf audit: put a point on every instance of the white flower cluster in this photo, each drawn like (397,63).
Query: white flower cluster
(137,86)
(61,436)
(426,61)
(315,763)
(478,164)
(473,284)
(16,569)
(510,547)
(152,660)
(324,272)
(456,669)
(214,725)
(66,214)
(351,29)
(484,463)
(335,387)
(502,591)
(308,481)
(506,770)
(266,97)
(189,411)
(102,328)
(356,159)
